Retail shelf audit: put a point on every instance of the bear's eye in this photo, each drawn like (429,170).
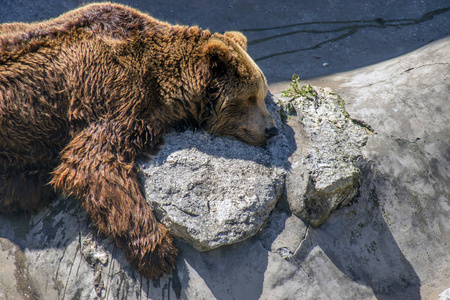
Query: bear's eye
(252,99)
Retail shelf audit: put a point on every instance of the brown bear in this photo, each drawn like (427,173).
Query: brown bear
(82,96)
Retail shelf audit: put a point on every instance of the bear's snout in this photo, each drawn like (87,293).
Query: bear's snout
(271,131)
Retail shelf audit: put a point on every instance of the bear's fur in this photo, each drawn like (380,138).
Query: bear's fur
(83,95)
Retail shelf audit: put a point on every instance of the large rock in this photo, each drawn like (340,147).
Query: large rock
(213,191)
(322,175)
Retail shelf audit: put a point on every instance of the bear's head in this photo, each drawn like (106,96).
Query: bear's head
(236,91)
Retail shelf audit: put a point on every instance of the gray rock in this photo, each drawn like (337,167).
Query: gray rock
(322,176)
(214,191)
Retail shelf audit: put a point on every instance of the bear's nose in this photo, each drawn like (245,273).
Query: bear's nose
(272,131)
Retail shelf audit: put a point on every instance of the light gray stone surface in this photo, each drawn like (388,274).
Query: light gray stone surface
(215,191)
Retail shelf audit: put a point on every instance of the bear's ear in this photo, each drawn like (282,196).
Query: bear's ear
(216,50)
(238,37)
(217,54)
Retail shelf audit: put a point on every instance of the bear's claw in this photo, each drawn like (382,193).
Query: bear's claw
(152,260)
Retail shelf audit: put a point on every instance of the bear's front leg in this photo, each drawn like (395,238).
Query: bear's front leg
(95,168)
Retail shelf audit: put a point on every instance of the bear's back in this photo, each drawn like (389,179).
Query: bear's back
(99,20)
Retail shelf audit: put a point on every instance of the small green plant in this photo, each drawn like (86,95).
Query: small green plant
(295,90)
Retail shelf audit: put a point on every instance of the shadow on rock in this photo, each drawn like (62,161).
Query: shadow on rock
(63,257)
(360,244)
(229,272)
(51,227)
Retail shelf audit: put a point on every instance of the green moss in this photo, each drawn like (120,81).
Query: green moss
(295,90)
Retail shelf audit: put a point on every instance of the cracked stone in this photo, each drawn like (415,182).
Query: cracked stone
(214,191)
(322,176)
(283,234)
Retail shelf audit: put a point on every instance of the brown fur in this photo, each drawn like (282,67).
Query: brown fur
(83,95)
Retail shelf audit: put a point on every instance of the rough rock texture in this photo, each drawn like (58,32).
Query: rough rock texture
(391,242)
(215,191)
(322,176)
